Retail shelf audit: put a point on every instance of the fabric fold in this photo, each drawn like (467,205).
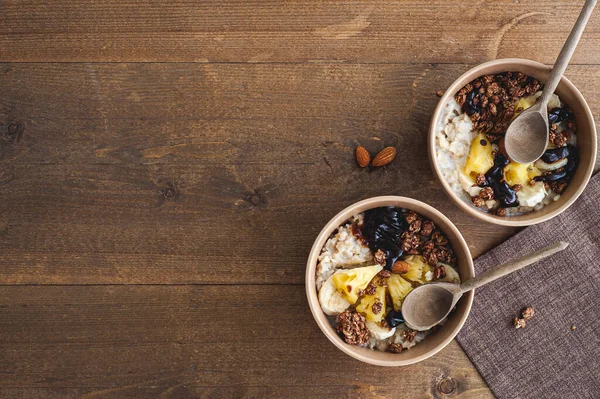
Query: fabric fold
(557,354)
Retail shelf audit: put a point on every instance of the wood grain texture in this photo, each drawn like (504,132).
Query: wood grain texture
(153,173)
(300,31)
(166,165)
(193,341)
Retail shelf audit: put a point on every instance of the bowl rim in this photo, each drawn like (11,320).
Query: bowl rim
(507,221)
(335,222)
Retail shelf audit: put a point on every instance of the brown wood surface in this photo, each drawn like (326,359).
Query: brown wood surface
(441,31)
(166,165)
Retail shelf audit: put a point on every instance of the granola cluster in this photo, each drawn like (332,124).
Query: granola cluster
(351,325)
(490,100)
(526,314)
(423,238)
(367,299)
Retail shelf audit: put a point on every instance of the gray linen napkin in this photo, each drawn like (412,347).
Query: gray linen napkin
(557,355)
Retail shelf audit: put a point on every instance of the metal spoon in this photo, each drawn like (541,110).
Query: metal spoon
(429,304)
(526,138)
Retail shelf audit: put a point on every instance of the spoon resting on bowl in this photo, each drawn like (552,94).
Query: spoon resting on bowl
(428,304)
(526,138)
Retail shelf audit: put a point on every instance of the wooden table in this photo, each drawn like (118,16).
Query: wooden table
(166,165)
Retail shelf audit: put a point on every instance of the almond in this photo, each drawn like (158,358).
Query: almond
(400,267)
(384,157)
(362,156)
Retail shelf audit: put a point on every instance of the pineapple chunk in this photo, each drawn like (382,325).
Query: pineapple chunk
(527,102)
(398,288)
(480,158)
(420,271)
(366,303)
(524,103)
(516,173)
(520,173)
(348,282)
(533,171)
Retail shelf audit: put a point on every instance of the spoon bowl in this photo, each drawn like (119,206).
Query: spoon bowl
(527,136)
(429,304)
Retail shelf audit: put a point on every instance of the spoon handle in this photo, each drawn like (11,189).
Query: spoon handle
(512,266)
(567,51)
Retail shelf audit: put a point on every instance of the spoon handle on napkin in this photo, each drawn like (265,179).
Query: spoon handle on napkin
(512,266)
(567,51)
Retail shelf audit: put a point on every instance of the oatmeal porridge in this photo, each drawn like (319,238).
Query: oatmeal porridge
(368,266)
(470,146)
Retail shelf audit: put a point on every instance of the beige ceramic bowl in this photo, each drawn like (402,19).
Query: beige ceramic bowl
(434,342)
(586,140)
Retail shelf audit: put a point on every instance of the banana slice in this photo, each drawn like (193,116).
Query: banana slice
(543,166)
(451,275)
(332,301)
(467,183)
(531,195)
(379,332)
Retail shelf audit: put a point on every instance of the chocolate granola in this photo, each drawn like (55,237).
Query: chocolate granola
(351,325)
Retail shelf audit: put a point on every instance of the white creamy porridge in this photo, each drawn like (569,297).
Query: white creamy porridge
(466,156)
(362,291)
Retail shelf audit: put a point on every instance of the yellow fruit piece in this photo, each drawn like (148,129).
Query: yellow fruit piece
(527,102)
(366,305)
(532,172)
(516,173)
(480,158)
(398,288)
(523,104)
(520,173)
(348,282)
(418,270)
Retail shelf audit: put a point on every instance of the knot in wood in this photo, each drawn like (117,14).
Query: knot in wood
(13,128)
(255,199)
(170,193)
(446,385)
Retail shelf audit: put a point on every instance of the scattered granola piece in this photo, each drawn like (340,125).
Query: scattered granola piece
(439,93)
(527,313)
(486,193)
(380,257)
(409,241)
(480,179)
(411,216)
(439,272)
(382,281)
(351,325)
(478,202)
(371,288)
(415,226)
(573,327)
(427,228)
(439,238)
(431,258)
(558,186)
(377,306)
(395,348)
(519,323)
(384,273)
(409,335)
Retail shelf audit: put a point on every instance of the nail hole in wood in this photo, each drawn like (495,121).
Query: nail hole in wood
(446,385)
(170,193)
